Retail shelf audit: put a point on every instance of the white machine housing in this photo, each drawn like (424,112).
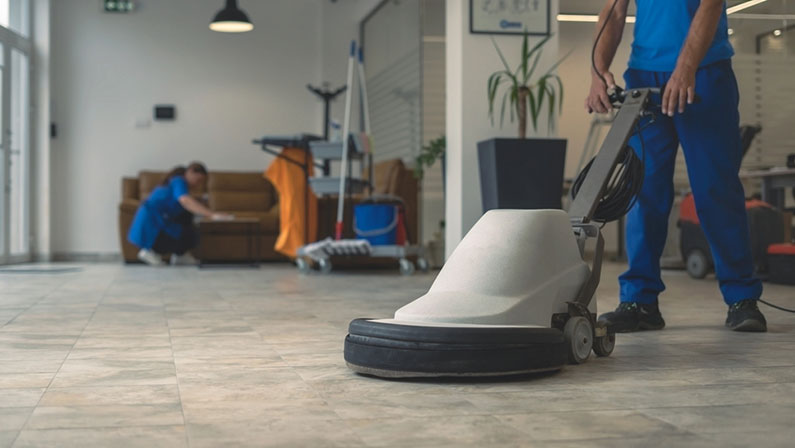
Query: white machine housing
(513,268)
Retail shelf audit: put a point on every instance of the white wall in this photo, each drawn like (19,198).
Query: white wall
(109,70)
(41,131)
(471,58)
(340,24)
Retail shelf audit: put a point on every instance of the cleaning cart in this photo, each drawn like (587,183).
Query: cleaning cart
(372,242)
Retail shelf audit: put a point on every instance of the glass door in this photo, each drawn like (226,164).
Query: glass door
(19,157)
(15,133)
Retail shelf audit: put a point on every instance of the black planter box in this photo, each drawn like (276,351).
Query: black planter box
(521,173)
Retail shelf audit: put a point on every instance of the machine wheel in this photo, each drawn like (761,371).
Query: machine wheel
(302,265)
(406,266)
(578,334)
(604,345)
(325,265)
(422,264)
(697,264)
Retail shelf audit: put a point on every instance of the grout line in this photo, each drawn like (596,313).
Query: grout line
(176,375)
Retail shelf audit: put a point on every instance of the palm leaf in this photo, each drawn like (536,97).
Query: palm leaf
(502,58)
(525,56)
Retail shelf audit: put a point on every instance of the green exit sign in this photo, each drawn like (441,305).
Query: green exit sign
(119,5)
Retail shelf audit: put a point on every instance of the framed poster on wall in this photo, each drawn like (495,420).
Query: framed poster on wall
(509,17)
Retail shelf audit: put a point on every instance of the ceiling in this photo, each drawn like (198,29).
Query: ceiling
(594,6)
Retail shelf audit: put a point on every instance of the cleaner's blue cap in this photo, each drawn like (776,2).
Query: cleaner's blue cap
(353,48)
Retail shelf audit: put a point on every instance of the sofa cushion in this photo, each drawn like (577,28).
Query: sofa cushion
(148,181)
(230,191)
(230,201)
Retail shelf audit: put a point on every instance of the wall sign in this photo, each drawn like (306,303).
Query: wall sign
(118,5)
(509,17)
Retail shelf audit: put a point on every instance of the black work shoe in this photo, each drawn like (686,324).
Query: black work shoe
(745,316)
(629,317)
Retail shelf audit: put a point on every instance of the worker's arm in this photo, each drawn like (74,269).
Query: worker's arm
(597,100)
(681,88)
(192,205)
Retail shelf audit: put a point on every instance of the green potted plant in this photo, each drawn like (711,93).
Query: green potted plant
(428,156)
(523,172)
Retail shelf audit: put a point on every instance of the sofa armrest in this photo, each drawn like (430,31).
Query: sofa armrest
(129,188)
(129,205)
(127,209)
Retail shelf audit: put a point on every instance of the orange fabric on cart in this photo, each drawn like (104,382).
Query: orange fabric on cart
(291,183)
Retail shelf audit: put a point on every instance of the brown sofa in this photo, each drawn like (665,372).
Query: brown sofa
(241,194)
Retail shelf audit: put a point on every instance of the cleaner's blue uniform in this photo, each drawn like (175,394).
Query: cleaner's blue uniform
(709,134)
(159,213)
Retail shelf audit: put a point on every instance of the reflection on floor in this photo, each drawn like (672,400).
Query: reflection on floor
(137,356)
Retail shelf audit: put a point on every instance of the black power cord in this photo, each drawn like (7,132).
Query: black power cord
(596,42)
(781,308)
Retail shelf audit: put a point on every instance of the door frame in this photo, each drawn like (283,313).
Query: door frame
(12,41)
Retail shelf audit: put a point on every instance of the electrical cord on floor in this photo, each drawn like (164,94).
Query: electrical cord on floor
(781,308)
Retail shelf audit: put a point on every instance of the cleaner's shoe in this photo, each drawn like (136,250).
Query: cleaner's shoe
(630,316)
(185,259)
(745,316)
(149,257)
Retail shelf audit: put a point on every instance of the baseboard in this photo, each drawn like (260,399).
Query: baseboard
(87,257)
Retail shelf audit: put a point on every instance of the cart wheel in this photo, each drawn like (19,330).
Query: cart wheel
(604,345)
(422,264)
(406,266)
(697,264)
(325,265)
(579,339)
(303,265)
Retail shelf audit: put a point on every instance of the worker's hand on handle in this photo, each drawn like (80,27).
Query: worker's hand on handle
(679,91)
(598,99)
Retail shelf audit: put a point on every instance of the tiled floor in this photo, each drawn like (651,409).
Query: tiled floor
(119,356)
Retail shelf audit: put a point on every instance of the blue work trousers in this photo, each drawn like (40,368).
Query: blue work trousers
(709,133)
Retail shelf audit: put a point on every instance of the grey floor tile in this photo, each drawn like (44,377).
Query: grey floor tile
(62,417)
(25,380)
(110,395)
(130,437)
(478,430)
(274,433)
(20,398)
(7,438)
(13,419)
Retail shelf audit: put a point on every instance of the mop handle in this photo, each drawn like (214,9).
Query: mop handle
(346,129)
(363,92)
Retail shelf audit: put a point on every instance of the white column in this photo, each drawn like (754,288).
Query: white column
(40,142)
(470,59)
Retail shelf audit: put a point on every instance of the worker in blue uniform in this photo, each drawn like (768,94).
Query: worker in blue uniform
(163,223)
(683,46)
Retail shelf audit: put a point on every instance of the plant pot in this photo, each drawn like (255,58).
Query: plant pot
(521,173)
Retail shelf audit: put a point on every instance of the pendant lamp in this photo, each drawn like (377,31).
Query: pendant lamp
(231,19)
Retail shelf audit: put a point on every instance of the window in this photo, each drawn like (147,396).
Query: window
(15,15)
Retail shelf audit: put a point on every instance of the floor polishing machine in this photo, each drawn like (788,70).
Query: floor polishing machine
(517,294)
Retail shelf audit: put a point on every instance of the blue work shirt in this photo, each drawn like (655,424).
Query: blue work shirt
(661,29)
(158,213)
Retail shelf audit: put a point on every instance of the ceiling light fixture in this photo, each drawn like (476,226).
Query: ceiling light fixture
(731,31)
(777,33)
(231,19)
(745,5)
